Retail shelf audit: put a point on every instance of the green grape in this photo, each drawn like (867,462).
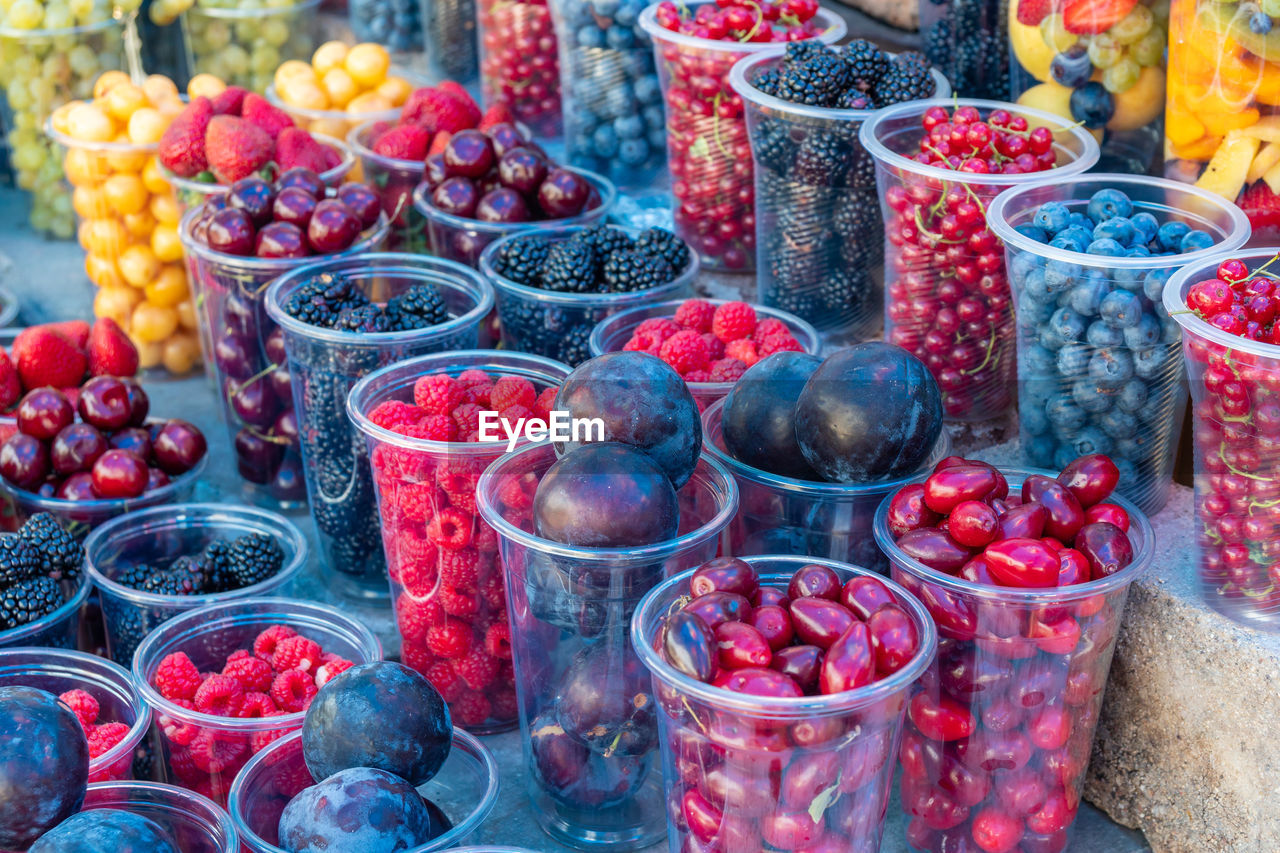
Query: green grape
(236,59)
(1121,76)
(275,32)
(24,15)
(1160,9)
(1104,52)
(57,18)
(18,95)
(1133,26)
(1055,35)
(217,35)
(1149,50)
(265,61)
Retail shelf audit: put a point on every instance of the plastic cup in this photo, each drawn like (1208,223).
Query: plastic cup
(969,42)
(571,610)
(785,769)
(612,334)
(519,62)
(203,751)
(449,28)
(460,239)
(57,672)
(1233,387)
(244,46)
(59,629)
(336,124)
(465,789)
(1000,728)
(396,25)
(972,359)
(559,325)
(157,537)
(393,180)
(195,824)
(1068,403)
(244,344)
(613,117)
(817,230)
(708,154)
(323,366)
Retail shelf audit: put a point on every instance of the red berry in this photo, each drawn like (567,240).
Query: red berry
(177,677)
(437,394)
(694,314)
(83,705)
(732,321)
(293,690)
(220,695)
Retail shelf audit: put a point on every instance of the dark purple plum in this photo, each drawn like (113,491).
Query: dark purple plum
(502,205)
(363,809)
(759,415)
(576,776)
(105,831)
(255,197)
(381,715)
(605,702)
(44,765)
(24,461)
(456,196)
(563,194)
(178,446)
(522,170)
(642,402)
(76,448)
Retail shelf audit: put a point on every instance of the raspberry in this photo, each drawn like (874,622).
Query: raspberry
(253,673)
(84,706)
(332,667)
(715,347)
(455,475)
(467,417)
(175,730)
(417,502)
(450,640)
(656,329)
(257,705)
(416,656)
(517,493)
(458,602)
(451,529)
(296,653)
(642,344)
(497,641)
(431,428)
(512,418)
(503,704)
(394,413)
(183,766)
(743,350)
(416,616)
(437,394)
(259,741)
(264,645)
(769,326)
(220,695)
(470,709)
(684,351)
(176,677)
(779,343)
(473,376)
(477,669)
(546,403)
(727,370)
(478,394)
(695,314)
(417,576)
(698,376)
(466,502)
(733,320)
(293,690)
(218,751)
(512,391)
(460,568)
(105,737)
(494,592)
(486,538)
(445,680)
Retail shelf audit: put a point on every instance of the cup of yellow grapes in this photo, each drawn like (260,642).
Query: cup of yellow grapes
(341,87)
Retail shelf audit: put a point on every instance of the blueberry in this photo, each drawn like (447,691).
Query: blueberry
(1087,296)
(1145,334)
(1052,217)
(1118,424)
(358,809)
(1138,252)
(1091,440)
(1150,363)
(1067,325)
(1260,22)
(1064,413)
(1106,247)
(1079,219)
(627,17)
(1073,359)
(1130,278)
(648,90)
(1033,232)
(1060,275)
(1153,284)
(1117,228)
(629,127)
(1078,234)
(1108,204)
(605,141)
(633,152)
(1038,361)
(590,36)
(1072,67)
(1193,241)
(1111,367)
(1040,451)
(605,8)
(1121,309)
(105,831)
(1170,235)
(1100,334)
(44,758)
(1024,264)
(656,120)
(1032,312)
(620,38)
(1156,409)
(1033,420)
(1146,225)
(1063,456)
(1091,397)
(1132,396)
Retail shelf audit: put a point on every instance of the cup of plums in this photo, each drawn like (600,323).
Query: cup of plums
(939,164)
(236,245)
(393,179)
(1226,306)
(1099,370)
(490,183)
(781,683)
(1025,575)
(343,318)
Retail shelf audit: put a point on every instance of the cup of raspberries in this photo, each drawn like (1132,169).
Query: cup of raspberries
(815,182)
(42,585)
(781,683)
(1025,575)
(939,164)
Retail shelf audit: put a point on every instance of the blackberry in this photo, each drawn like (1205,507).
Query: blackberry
(802,51)
(320,301)
(937,44)
(626,271)
(342,486)
(29,600)
(354,553)
(134,575)
(570,268)
(18,560)
(822,160)
(603,240)
(180,581)
(867,63)
(855,99)
(768,81)
(773,145)
(799,265)
(818,81)
(531,327)
(659,242)
(573,347)
(215,561)
(364,318)
(419,307)
(907,80)
(254,557)
(857,216)
(974,60)
(521,260)
(58,553)
(844,292)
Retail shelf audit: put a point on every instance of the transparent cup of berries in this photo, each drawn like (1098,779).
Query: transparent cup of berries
(1000,728)
(587,716)
(323,365)
(969,43)
(947,297)
(100,693)
(421,421)
(708,152)
(814,180)
(393,180)
(449,30)
(193,822)
(243,45)
(60,628)
(777,718)
(465,789)
(1098,354)
(519,62)
(1219,303)
(225,680)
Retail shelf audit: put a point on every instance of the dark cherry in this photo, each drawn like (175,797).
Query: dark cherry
(802,663)
(77,487)
(973,524)
(946,489)
(1090,478)
(724,574)
(907,510)
(257,458)
(502,205)
(769,595)
(1066,516)
(295,206)
(178,446)
(281,240)
(774,625)
(233,354)
(362,201)
(434,171)
(563,194)
(24,461)
(814,581)
(469,154)
(940,718)
(505,136)
(119,474)
(135,440)
(104,403)
(156,479)
(333,227)
(44,412)
(716,607)
(280,383)
(819,622)
(231,232)
(139,403)
(303,179)
(76,448)
(689,645)
(1106,547)
(274,347)
(456,196)
(286,427)
(522,170)
(255,197)
(865,595)
(1023,563)
(253,402)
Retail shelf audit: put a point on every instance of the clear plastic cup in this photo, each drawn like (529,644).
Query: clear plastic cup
(393,180)
(9,309)
(818,230)
(246,350)
(195,824)
(967,40)
(408,474)
(323,366)
(465,789)
(460,239)
(1000,728)
(973,360)
(519,62)
(449,29)
(571,611)
(1068,404)
(559,325)
(783,769)
(203,751)
(59,629)
(244,46)
(613,116)
(1233,389)
(160,535)
(57,671)
(784,515)
(612,334)
(336,124)
(708,154)
(397,25)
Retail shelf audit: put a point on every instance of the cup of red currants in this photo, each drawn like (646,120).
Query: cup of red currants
(519,61)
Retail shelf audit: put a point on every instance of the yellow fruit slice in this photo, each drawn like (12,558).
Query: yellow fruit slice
(1266,128)
(1227,169)
(1200,150)
(1267,156)
(1140,104)
(1181,127)
(1272,177)
(1222,123)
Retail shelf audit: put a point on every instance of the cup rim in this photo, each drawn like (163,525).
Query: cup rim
(867,135)
(997,220)
(356,143)
(114,20)
(1175,301)
(836,29)
(207,513)
(58,506)
(265,12)
(787,706)
(1016,595)
(13,637)
(605,187)
(216,813)
(397,262)
(328,177)
(59,138)
(273,97)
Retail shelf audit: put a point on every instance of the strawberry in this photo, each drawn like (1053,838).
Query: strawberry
(10,383)
(1032,12)
(76,331)
(297,148)
(406,142)
(258,110)
(462,96)
(236,149)
(376,130)
(496,114)
(111,353)
(332,159)
(229,102)
(1092,17)
(438,142)
(1262,206)
(436,111)
(181,148)
(45,357)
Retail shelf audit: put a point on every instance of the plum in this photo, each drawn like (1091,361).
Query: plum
(382,715)
(606,495)
(641,402)
(869,412)
(605,702)
(44,765)
(576,776)
(759,415)
(105,831)
(361,808)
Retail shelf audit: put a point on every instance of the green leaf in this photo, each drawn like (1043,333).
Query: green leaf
(700,149)
(825,800)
